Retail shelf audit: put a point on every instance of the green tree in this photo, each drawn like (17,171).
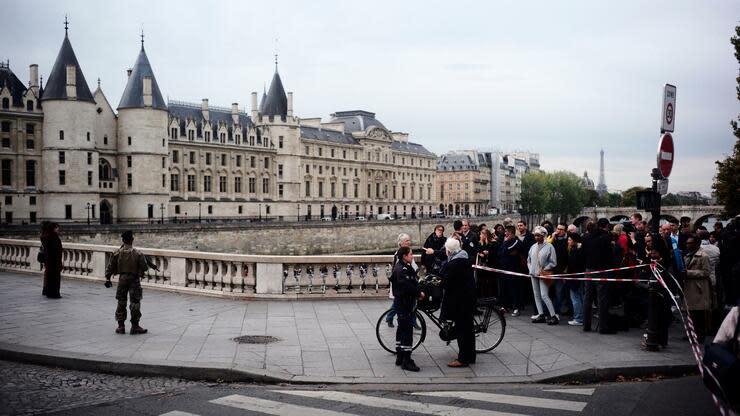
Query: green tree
(613,199)
(535,193)
(726,184)
(567,196)
(592,198)
(629,197)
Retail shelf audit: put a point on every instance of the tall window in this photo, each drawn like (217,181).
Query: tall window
(252,185)
(192,158)
(206,183)
(280,171)
(62,158)
(62,177)
(223,159)
(191,183)
(7,170)
(89,158)
(129,180)
(222,184)
(30,173)
(308,188)
(129,162)
(238,185)
(280,142)
(251,161)
(321,189)
(89,178)
(208,158)
(61,134)
(238,160)
(174,182)
(267,163)
(173,132)
(68,212)
(265,185)
(280,190)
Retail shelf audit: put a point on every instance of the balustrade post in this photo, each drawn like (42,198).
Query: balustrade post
(269,278)
(97,264)
(178,271)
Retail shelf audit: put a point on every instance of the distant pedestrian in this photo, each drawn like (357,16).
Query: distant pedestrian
(129,264)
(487,256)
(559,241)
(525,236)
(511,258)
(697,286)
(52,247)
(576,264)
(541,261)
(406,291)
(598,252)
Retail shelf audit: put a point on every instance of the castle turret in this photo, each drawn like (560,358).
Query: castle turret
(143,162)
(69,156)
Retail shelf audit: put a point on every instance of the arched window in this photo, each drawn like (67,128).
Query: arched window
(104,170)
(29,105)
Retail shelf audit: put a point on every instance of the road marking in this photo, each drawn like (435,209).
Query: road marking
(178,413)
(509,399)
(583,392)
(401,405)
(273,408)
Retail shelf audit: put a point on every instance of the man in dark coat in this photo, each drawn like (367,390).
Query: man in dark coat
(52,246)
(469,241)
(434,249)
(597,251)
(459,301)
(405,284)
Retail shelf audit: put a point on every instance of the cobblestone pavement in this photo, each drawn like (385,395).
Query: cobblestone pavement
(30,389)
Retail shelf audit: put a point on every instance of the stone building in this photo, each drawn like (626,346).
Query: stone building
(464,183)
(67,155)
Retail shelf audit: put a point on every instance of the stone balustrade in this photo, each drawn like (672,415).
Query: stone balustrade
(228,275)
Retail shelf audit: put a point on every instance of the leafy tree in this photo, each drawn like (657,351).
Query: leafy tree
(592,198)
(612,199)
(629,197)
(567,196)
(727,181)
(535,193)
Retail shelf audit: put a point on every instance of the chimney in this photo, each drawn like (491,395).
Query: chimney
(235,112)
(71,81)
(34,75)
(290,104)
(147,91)
(254,105)
(128,73)
(204,109)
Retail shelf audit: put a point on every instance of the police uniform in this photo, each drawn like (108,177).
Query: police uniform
(129,264)
(405,286)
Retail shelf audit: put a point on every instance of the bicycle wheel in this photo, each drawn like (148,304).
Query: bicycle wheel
(489,330)
(386,334)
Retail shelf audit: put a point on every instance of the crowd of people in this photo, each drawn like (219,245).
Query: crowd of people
(705,265)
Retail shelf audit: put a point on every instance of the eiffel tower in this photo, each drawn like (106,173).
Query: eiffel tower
(601,187)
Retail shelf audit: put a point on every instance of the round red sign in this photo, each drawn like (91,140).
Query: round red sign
(665,154)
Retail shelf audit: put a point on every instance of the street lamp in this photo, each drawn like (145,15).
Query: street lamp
(88,213)
(161,209)
(199,206)
(299,212)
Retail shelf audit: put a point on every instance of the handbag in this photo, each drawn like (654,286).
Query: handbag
(722,361)
(41,256)
(548,282)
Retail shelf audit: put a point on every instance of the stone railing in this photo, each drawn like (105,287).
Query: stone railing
(230,275)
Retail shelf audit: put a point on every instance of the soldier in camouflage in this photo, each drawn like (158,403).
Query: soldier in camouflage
(129,264)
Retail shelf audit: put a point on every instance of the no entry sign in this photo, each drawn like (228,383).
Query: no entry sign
(665,155)
(669,108)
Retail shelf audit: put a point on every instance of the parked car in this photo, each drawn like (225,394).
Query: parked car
(326,219)
(360,218)
(385,217)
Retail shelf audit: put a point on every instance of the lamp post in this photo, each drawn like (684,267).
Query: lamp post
(161,209)
(199,217)
(88,213)
(259,207)
(299,212)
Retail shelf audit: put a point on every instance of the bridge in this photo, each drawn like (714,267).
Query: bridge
(697,214)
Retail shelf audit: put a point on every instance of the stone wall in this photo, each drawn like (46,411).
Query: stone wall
(267,239)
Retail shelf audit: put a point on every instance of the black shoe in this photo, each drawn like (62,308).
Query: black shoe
(136,329)
(553,320)
(390,324)
(409,364)
(400,355)
(539,319)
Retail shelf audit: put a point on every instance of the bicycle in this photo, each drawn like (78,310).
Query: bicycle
(489,326)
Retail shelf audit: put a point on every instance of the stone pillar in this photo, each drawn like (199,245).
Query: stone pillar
(290,104)
(254,106)
(269,278)
(98,264)
(178,271)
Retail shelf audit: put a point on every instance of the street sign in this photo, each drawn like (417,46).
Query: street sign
(648,200)
(669,108)
(663,186)
(665,154)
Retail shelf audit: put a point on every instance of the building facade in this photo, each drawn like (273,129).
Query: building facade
(67,155)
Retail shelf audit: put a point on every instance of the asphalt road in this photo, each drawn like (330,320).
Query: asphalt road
(30,389)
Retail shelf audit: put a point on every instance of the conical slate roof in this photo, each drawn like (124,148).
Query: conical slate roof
(56,85)
(264,98)
(276,103)
(133,95)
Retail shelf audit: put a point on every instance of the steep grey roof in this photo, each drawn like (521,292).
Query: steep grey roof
(276,103)
(356,120)
(315,133)
(456,162)
(262,102)
(133,95)
(187,111)
(411,148)
(56,86)
(16,87)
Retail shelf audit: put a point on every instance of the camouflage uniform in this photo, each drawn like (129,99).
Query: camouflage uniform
(129,264)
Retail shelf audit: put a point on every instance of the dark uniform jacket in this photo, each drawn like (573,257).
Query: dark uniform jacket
(127,260)
(471,244)
(459,287)
(597,250)
(405,285)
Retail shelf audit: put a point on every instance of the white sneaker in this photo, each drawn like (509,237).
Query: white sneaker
(535,316)
(575,323)
(515,312)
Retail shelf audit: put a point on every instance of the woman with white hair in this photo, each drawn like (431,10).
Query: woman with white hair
(458,303)
(541,260)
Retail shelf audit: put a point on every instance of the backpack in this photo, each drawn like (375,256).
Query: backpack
(722,361)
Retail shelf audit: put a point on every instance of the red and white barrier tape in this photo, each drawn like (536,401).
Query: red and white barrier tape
(572,276)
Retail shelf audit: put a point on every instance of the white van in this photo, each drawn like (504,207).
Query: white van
(385,216)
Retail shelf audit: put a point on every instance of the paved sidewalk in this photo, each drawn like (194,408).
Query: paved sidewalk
(319,341)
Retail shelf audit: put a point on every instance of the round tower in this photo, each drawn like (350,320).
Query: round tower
(69,158)
(143,162)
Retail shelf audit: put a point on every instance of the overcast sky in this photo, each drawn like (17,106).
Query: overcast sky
(559,78)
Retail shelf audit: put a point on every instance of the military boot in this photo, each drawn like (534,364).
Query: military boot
(409,364)
(136,329)
(121,328)
(399,356)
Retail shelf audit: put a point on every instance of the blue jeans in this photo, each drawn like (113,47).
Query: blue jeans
(576,297)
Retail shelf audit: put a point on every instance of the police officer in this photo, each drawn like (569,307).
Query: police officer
(405,286)
(129,264)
